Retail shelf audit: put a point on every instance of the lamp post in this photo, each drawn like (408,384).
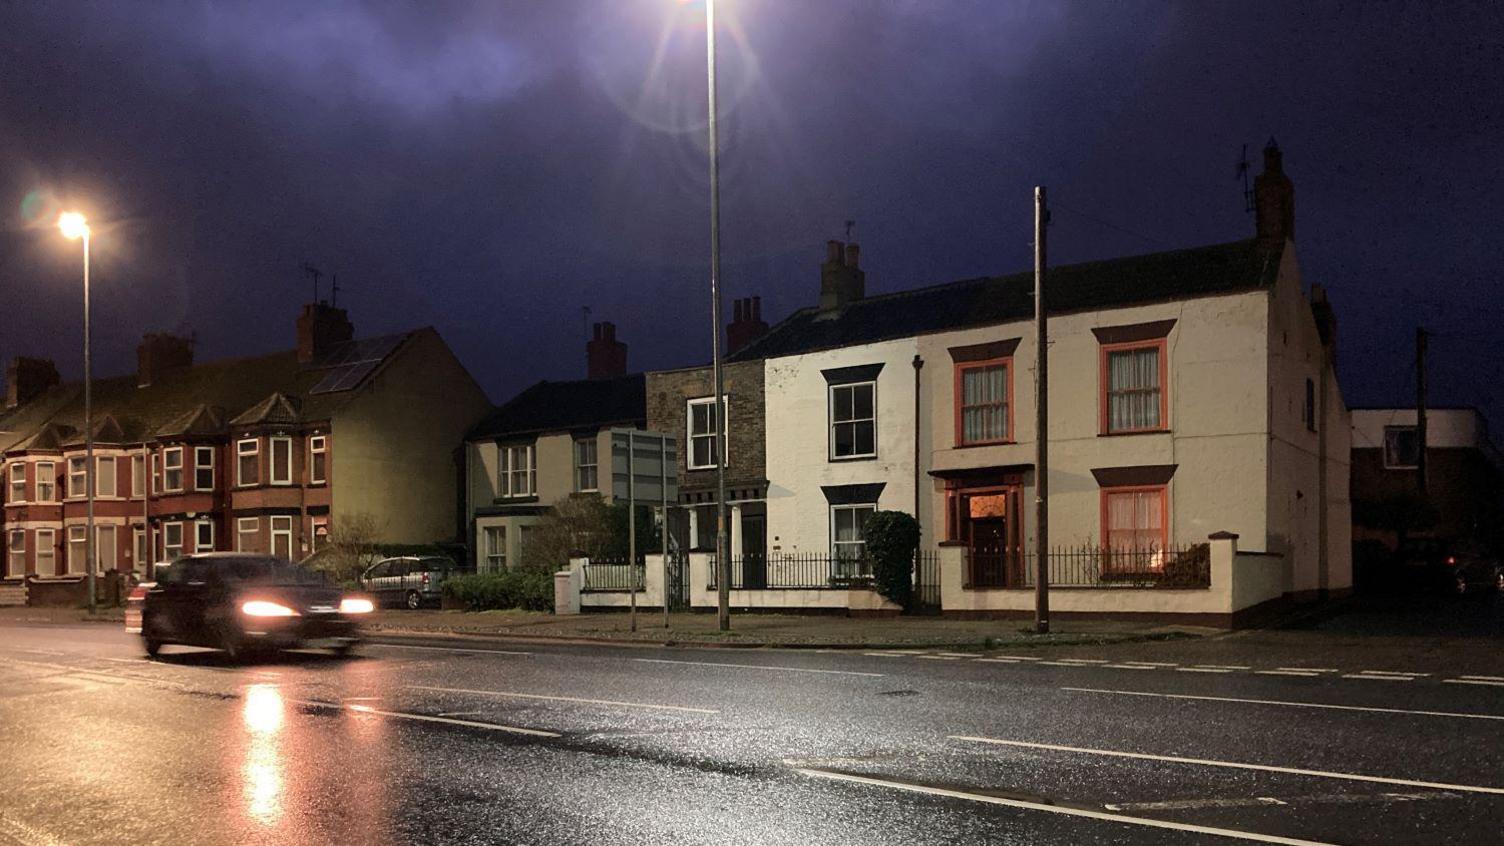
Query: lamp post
(75,227)
(722,558)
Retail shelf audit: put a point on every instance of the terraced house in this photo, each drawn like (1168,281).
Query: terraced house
(256,454)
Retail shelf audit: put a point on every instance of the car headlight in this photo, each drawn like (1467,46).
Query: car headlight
(356,605)
(263,608)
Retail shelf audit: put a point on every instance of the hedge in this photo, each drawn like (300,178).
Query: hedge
(529,589)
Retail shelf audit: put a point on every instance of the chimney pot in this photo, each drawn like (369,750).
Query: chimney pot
(833,252)
(841,281)
(853,252)
(1274,200)
(321,327)
(747,327)
(604,355)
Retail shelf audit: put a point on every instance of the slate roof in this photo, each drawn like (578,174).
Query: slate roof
(564,406)
(1113,283)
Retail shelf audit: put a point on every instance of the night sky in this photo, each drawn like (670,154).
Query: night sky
(490,168)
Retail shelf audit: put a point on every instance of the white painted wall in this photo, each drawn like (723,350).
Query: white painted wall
(1445,427)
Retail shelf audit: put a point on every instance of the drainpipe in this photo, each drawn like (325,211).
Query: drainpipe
(918,365)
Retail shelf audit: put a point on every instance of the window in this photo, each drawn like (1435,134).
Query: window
(203,468)
(138,475)
(17,481)
(15,558)
(853,420)
(248,534)
(172,541)
(104,547)
(585,477)
(496,547)
(282,537)
(524,539)
(517,473)
(1132,386)
(281,461)
(701,426)
(983,409)
(78,549)
(1401,447)
(104,476)
(318,460)
(1310,407)
(1135,525)
(172,469)
(46,552)
(248,462)
(156,473)
(848,544)
(203,536)
(46,481)
(78,476)
(138,543)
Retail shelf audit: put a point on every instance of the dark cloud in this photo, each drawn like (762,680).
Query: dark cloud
(490,168)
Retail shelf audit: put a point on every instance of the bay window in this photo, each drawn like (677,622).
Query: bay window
(15,553)
(172,541)
(46,481)
(172,469)
(496,548)
(46,552)
(104,475)
(281,472)
(247,462)
(138,475)
(203,536)
(17,481)
(203,468)
(78,549)
(248,534)
(78,477)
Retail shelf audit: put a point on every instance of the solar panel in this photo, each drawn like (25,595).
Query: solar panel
(350,363)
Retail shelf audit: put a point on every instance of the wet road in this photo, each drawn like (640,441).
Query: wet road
(592,744)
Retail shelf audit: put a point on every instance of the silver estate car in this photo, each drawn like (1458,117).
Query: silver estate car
(409,581)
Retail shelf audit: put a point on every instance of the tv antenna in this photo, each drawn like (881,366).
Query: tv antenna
(1243,175)
(315,274)
(334,289)
(850,225)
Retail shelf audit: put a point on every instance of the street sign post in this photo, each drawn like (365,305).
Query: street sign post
(644,465)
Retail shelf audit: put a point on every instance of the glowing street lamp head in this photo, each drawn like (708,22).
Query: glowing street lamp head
(73,225)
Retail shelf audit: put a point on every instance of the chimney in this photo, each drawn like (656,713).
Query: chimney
(28,378)
(604,355)
(320,327)
(746,325)
(160,353)
(1326,320)
(841,279)
(1274,200)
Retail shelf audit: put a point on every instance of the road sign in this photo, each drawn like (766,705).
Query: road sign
(655,473)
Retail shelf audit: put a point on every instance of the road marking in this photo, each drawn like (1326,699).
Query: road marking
(1307,669)
(942,657)
(1210,762)
(426,718)
(1473,681)
(1057,809)
(1258,801)
(1000,660)
(1483,678)
(1225,666)
(1294,703)
(1194,804)
(957,654)
(447,649)
(1392,673)
(1151,664)
(1131,667)
(1083,660)
(886,654)
(1202,670)
(1018,657)
(1375,677)
(758,667)
(1303,674)
(510,695)
(1055,664)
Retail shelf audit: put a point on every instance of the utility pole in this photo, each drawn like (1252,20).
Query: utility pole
(632,527)
(1420,412)
(722,558)
(1042,428)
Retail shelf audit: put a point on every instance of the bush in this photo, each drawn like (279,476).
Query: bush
(892,538)
(527,588)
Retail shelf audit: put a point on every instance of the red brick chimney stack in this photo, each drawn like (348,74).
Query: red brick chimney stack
(159,354)
(746,324)
(842,280)
(1274,200)
(320,327)
(28,378)
(604,355)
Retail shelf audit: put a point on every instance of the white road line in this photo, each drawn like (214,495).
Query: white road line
(1083,660)
(1058,809)
(941,657)
(1392,673)
(445,649)
(1151,663)
(1202,670)
(886,654)
(1019,657)
(758,667)
(511,695)
(1194,804)
(1473,681)
(1131,667)
(958,654)
(1303,674)
(1225,666)
(402,715)
(1000,660)
(1056,664)
(1307,669)
(1483,678)
(1290,704)
(1374,677)
(1209,762)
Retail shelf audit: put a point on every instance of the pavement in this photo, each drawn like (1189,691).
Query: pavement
(1294,736)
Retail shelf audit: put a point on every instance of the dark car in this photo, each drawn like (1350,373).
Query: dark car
(243,604)
(410,581)
(1456,567)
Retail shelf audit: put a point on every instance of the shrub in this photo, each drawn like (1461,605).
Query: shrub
(527,588)
(892,538)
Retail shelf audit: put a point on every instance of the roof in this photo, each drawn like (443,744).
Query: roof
(563,406)
(198,400)
(1113,283)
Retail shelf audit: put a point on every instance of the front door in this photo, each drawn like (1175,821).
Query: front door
(755,551)
(989,551)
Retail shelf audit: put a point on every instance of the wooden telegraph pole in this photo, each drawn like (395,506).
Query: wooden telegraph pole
(1042,428)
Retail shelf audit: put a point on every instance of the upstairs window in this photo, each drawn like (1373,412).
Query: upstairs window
(78,476)
(702,426)
(984,413)
(586,478)
(46,481)
(156,473)
(172,469)
(1133,396)
(517,475)
(281,461)
(853,420)
(203,468)
(104,475)
(17,481)
(248,462)
(1401,448)
(138,475)
(318,459)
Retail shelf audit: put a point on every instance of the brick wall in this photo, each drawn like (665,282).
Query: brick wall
(667,395)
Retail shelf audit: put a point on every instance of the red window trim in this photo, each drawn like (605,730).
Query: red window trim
(1164,515)
(1164,385)
(958,396)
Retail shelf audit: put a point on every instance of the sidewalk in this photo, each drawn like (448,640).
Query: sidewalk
(772,630)
(23,614)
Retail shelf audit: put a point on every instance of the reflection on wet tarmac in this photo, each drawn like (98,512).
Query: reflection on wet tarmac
(263,714)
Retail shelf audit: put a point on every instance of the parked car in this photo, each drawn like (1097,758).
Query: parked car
(1457,567)
(411,581)
(242,604)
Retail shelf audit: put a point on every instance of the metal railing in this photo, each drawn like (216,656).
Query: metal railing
(1093,566)
(810,571)
(613,576)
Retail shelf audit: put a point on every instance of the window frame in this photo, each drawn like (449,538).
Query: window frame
(156,472)
(100,462)
(138,475)
(271,471)
(241,454)
(506,472)
(274,533)
(1104,391)
(714,435)
(106,549)
(580,466)
(139,547)
(318,451)
(46,550)
(198,536)
(871,508)
(82,537)
(1106,493)
(16,481)
(494,561)
(241,532)
(1005,362)
(82,491)
(15,558)
(1397,429)
(831,422)
(168,547)
(49,477)
(199,466)
(168,469)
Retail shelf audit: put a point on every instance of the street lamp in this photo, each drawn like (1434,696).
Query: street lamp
(75,227)
(722,558)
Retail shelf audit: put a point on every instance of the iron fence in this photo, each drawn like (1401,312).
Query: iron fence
(816,571)
(1093,566)
(613,576)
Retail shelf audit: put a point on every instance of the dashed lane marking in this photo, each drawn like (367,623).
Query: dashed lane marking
(1473,681)
(1235,765)
(1056,809)
(1300,673)
(1322,705)
(942,657)
(1483,678)
(428,718)
(1377,677)
(504,694)
(445,649)
(1132,667)
(1257,801)
(1308,669)
(1202,670)
(769,667)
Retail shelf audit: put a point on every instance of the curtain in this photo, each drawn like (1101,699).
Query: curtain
(984,404)
(1133,390)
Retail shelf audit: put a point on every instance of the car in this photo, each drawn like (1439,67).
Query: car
(1458,567)
(411,581)
(243,604)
